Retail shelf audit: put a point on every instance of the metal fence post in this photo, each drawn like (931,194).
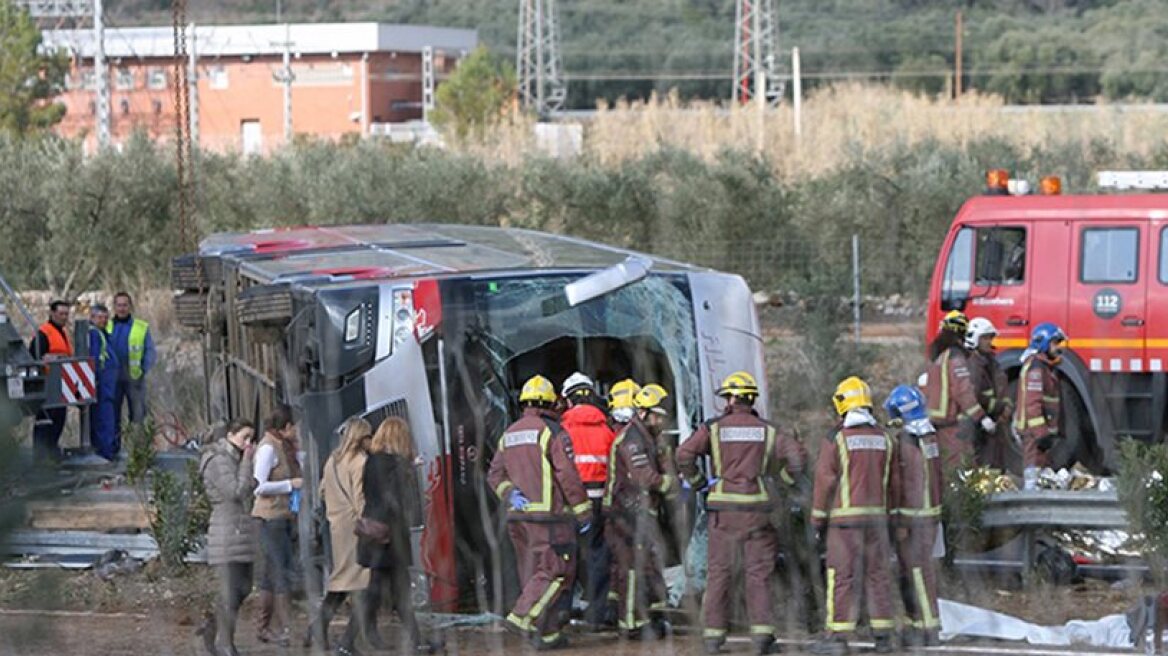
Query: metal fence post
(856,285)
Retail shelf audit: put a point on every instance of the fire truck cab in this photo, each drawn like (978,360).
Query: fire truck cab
(440,325)
(1096,265)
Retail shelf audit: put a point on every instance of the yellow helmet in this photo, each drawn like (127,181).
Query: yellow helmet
(538,389)
(650,398)
(622,393)
(850,394)
(955,322)
(739,383)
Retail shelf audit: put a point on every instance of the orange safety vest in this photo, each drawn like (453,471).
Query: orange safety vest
(59,343)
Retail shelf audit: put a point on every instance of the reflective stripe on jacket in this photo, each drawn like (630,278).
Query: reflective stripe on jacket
(637,477)
(58,340)
(592,439)
(534,456)
(1037,411)
(744,447)
(857,478)
(136,345)
(921,483)
(949,389)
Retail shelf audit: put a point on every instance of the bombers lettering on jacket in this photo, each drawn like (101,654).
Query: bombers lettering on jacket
(534,456)
(857,477)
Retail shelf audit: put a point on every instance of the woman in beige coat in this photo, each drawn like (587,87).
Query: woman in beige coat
(343,493)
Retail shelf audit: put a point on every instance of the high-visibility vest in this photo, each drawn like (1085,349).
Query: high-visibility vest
(102,357)
(59,342)
(137,345)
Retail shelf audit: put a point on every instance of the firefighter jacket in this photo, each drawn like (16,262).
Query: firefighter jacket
(990,385)
(1038,398)
(857,476)
(587,426)
(534,456)
(637,476)
(744,448)
(949,389)
(918,457)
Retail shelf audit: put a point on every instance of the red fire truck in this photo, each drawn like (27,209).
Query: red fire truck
(1097,265)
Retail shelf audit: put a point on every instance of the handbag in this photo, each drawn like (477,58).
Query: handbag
(372,529)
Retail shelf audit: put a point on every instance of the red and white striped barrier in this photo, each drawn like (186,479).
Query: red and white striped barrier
(78,382)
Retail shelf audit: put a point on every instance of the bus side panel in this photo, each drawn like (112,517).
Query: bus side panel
(729,337)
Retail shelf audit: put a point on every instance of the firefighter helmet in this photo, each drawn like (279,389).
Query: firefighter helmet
(650,398)
(622,393)
(906,403)
(740,384)
(978,327)
(1045,336)
(577,383)
(852,393)
(538,389)
(955,322)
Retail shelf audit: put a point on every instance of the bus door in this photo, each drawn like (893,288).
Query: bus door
(1107,319)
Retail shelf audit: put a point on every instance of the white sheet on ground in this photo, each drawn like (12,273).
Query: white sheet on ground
(970,621)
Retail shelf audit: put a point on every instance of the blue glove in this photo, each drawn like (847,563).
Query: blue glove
(584,527)
(711,483)
(518,501)
(685,485)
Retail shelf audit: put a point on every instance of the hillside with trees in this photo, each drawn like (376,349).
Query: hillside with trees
(1029,51)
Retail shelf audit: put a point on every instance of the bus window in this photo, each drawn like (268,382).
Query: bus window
(956,284)
(1001,256)
(1109,255)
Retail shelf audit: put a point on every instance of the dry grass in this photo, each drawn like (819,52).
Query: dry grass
(837,122)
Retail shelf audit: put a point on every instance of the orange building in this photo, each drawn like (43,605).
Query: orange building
(347,79)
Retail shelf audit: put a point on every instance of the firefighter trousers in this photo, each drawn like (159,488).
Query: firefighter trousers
(638,577)
(1032,456)
(858,571)
(743,539)
(546,552)
(918,574)
(956,451)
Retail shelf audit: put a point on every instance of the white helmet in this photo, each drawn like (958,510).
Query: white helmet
(978,328)
(575,383)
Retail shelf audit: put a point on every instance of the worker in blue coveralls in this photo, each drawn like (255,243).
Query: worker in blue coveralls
(102,425)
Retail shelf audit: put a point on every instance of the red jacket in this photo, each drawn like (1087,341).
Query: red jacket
(592,439)
(744,447)
(1037,412)
(857,477)
(950,390)
(535,456)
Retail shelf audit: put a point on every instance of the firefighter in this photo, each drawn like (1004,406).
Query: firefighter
(637,483)
(743,447)
(587,426)
(917,515)
(857,481)
(1036,418)
(991,389)
(949,389)
(533,472)
(620,403)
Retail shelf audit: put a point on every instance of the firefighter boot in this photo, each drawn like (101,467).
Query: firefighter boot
(884,643)
(713,645)
(766,645)
(829,646)
(263,615)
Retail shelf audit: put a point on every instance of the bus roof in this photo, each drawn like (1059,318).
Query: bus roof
(320,255)
(1119,207)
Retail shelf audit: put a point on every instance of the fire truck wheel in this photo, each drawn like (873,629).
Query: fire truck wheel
(264,305)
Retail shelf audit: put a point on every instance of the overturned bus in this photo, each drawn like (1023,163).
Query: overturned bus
(441,324)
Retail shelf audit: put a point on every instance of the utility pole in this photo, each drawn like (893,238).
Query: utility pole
(542,88)
(957,57)
(285,77)
(101,77)
(756,38)
(797,92)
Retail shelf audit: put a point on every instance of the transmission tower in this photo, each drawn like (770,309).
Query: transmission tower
(756,52)
(542,87)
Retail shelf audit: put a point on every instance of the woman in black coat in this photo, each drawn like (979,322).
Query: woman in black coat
(391,498)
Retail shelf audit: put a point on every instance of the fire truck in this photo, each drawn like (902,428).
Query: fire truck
(1096,265)
(441,324)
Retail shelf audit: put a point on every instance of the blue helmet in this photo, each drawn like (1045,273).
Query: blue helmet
(1044,335)
(907,404)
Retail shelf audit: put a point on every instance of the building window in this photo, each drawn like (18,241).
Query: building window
(156,79)
(124,81)
(92,108)
(157,105)
(89,80)
(124,105)
(219,78)
(1110,255)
